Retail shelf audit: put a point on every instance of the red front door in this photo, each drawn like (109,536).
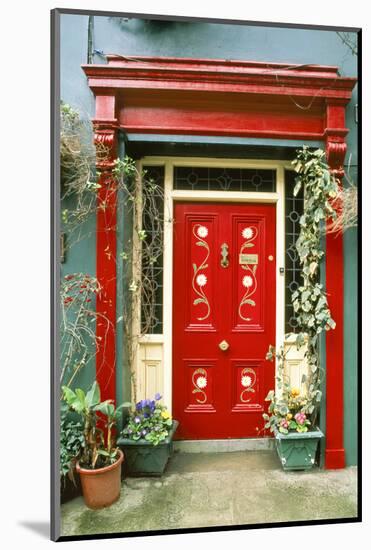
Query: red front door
(224,310)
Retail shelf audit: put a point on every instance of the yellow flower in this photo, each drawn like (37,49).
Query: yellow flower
(289,416)
(295,392)
(165,415)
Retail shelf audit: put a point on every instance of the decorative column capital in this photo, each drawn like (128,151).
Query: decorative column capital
(336,149)
(105,141)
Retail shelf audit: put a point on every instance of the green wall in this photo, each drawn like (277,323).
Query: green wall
(80,253)
(350,345)
(224,41)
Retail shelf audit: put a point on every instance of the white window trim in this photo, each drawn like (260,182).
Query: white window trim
(171,196)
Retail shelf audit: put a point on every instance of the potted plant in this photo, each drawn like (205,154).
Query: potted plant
(296,435)
(99,461)
(71,444)
(147,438)
(293,413)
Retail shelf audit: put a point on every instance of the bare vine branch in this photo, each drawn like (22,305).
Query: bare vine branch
(141,253)
(349,41)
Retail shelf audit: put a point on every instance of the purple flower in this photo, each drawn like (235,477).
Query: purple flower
(129,431)
(158,396)
(137,420)
(144,432)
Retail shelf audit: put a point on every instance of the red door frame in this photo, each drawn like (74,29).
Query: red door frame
(231,98)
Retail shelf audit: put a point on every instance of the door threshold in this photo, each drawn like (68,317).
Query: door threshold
(224,445)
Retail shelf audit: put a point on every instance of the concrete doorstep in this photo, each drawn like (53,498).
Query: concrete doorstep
(214,489)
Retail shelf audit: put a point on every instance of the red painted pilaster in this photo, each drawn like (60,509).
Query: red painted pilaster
(335,150)
(105,139)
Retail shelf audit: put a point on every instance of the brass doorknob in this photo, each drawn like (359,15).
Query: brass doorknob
(224,345)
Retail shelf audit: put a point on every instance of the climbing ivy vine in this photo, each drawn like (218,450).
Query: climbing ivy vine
(291,409)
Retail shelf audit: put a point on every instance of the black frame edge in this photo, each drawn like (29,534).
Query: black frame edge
(55,509)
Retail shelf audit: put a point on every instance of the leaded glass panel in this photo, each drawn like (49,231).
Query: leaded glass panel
(293,211)
(224,179)
(152,295)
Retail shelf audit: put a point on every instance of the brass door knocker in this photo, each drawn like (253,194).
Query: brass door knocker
(224,262)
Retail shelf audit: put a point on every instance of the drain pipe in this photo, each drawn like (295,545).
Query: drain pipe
(90,54)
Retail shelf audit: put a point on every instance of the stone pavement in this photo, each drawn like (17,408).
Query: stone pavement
(211,489)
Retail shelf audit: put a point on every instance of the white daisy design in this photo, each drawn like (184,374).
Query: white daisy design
(247,233)
(201,382)
(247,281)
(246,381)
(202,231)
(201,279)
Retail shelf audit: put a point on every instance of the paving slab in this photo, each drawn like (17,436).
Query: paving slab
(216,489)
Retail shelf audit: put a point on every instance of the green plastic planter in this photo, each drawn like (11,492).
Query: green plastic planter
(297,451)
(144,459)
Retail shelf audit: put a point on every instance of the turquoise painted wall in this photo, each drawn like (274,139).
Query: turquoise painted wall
(350,345)
(210,40)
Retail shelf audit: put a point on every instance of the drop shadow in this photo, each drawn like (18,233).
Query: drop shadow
(42,528)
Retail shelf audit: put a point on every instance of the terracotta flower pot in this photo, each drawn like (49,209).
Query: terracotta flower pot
(101,487)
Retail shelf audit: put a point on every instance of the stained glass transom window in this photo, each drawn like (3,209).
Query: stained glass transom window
(293,210)
(224,179)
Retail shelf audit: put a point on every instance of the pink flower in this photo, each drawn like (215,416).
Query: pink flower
(284,423)
(300,418)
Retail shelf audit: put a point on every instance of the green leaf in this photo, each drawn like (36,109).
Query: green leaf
(198,301)
(93,396)
(102,452)
(297,187)
(106,408)
(68,395)
(313,268)
(299,340)
(270,395)
(80,399)
(331,323)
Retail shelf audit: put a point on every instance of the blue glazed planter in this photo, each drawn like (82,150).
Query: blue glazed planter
(144,459)
(297,451)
